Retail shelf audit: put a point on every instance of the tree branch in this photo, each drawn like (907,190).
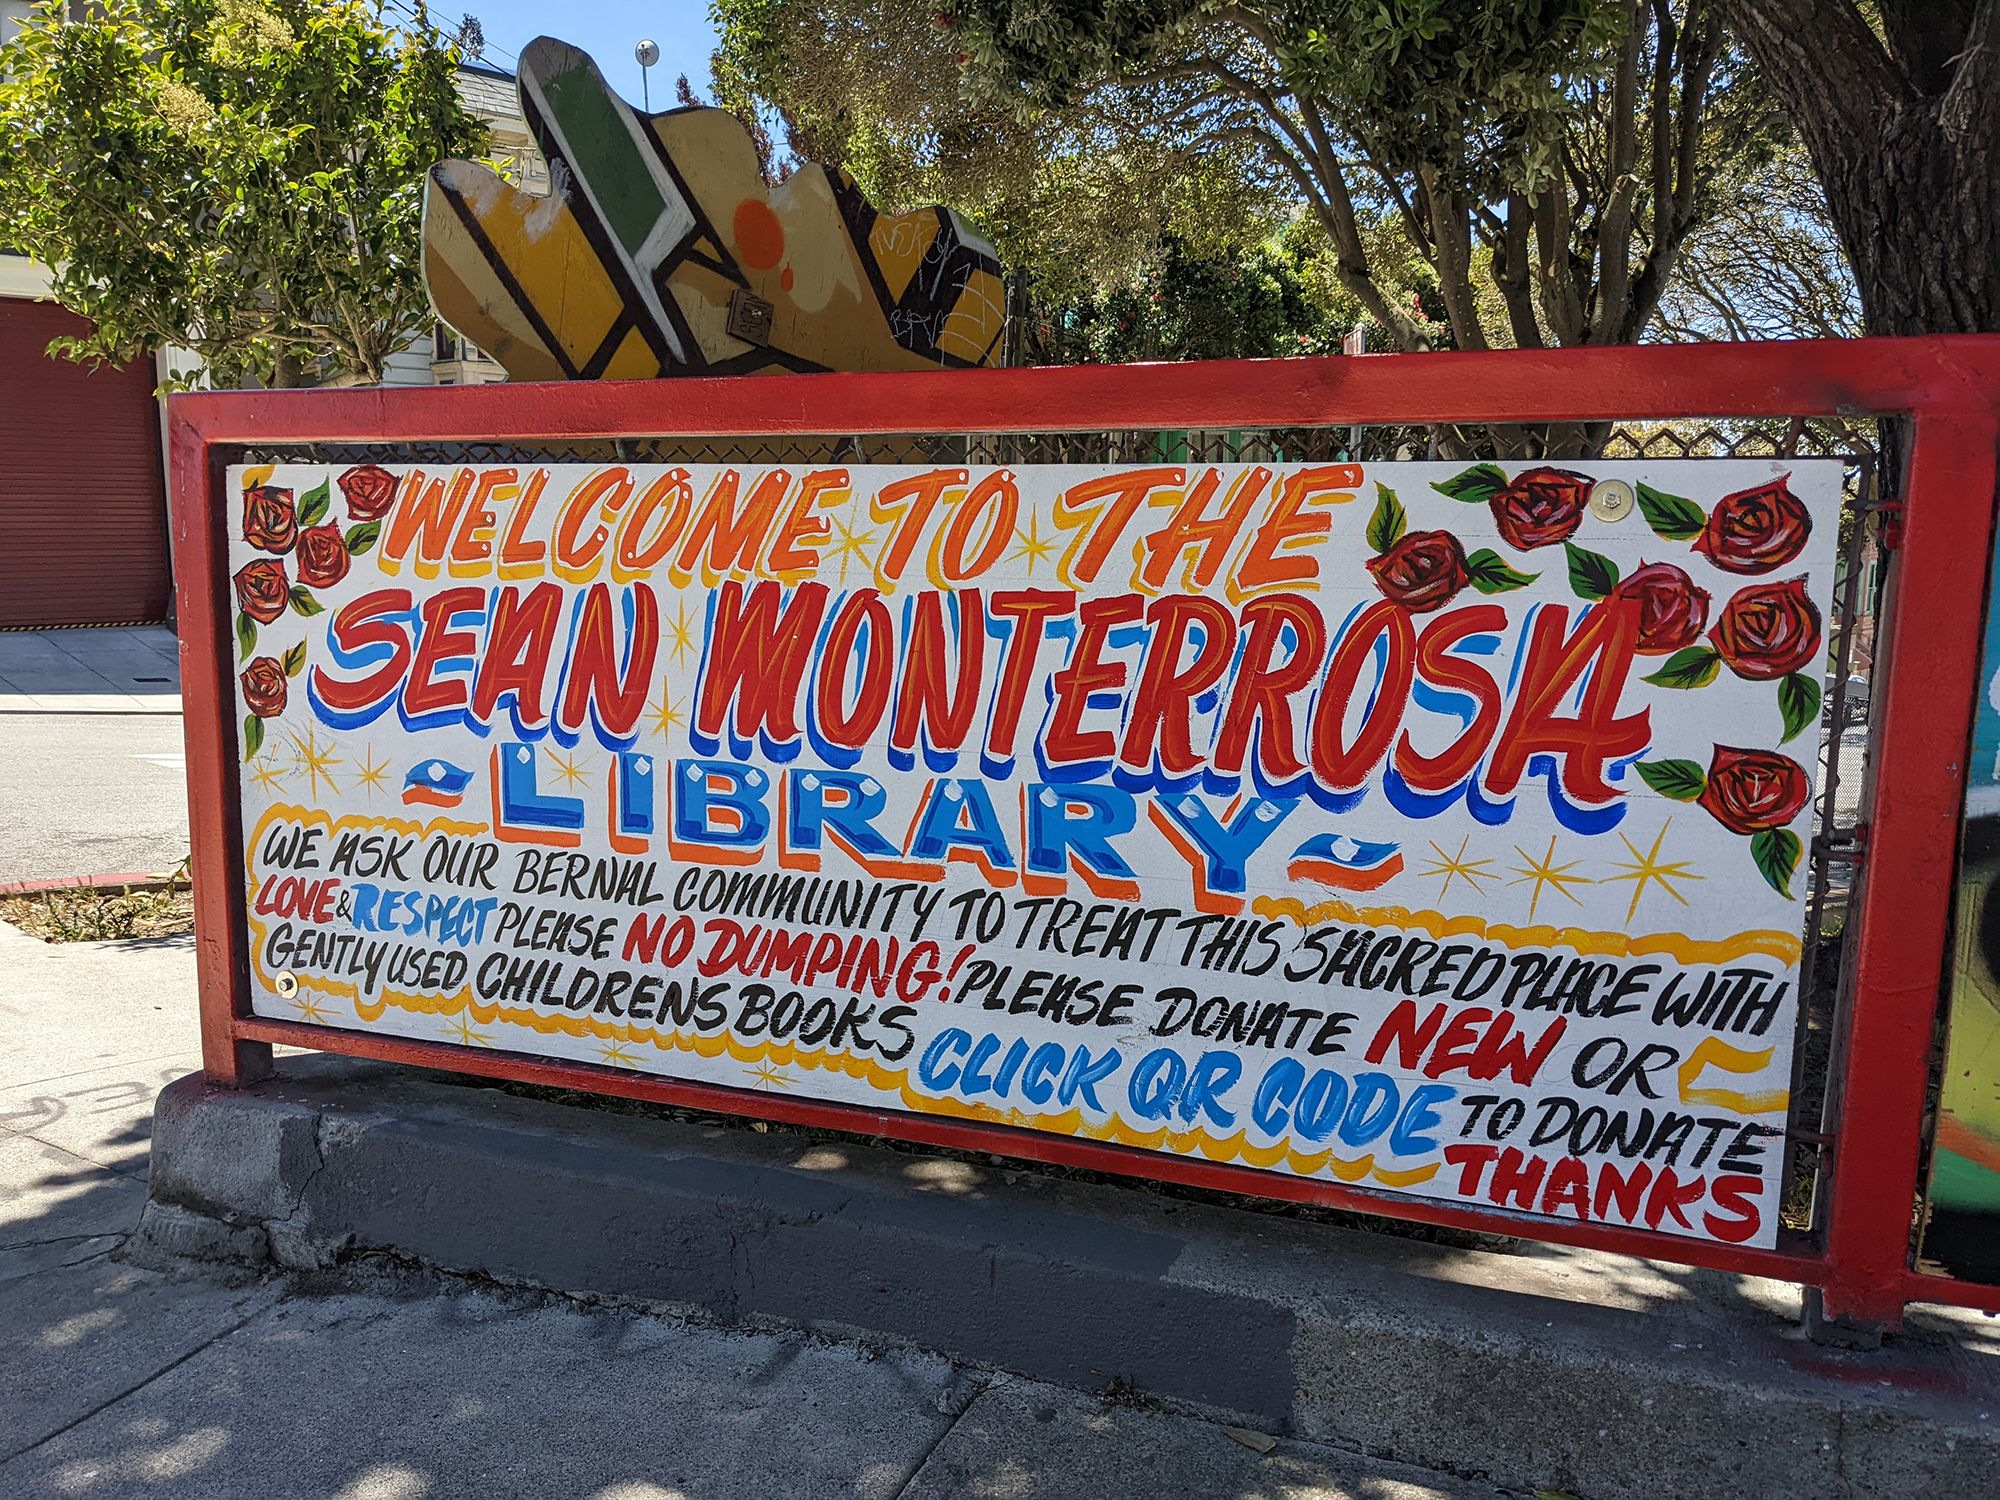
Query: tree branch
(1827,64)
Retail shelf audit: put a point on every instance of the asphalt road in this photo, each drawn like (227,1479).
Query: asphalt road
(90,794)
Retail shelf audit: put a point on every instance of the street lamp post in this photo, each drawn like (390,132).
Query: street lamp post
(648,53)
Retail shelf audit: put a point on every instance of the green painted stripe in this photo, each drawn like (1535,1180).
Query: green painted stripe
(602,153)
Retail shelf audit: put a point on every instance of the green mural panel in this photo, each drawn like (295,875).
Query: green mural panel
(1963,1231)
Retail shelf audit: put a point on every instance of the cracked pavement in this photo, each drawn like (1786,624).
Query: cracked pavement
(117,1380)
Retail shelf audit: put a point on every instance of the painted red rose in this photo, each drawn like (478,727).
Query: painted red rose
(1754,531)
(1749,791)
(1768,630)
(264,687)
(270,521)
(1672,610)
(262,589)
(1541,507)
(1422,571)
(370,490)
(322,556)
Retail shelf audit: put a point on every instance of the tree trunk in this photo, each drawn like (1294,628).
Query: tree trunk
(1918,216)
(1907,148)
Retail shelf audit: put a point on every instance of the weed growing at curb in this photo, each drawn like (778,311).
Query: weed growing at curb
(91,914)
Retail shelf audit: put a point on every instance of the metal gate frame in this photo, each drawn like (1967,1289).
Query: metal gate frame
(1858,1257)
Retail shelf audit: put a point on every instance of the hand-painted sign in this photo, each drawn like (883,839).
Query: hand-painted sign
(1431,827)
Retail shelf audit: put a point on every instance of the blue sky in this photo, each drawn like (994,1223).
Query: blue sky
(607,30)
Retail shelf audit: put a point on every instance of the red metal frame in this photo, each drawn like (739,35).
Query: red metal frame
(1949,387)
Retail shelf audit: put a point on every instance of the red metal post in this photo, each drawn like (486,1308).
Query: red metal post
(1930,678)
(207,716)
(1951,384)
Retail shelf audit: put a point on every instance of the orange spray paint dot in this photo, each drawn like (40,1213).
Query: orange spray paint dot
(785,278)
(760,239)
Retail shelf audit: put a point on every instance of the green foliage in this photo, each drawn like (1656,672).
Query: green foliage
(1478,89)
(1531,173)
(243,178)
(1073,198)
(1275,298)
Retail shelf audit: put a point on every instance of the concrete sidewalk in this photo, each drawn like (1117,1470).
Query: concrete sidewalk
(117,1380)
(124,669)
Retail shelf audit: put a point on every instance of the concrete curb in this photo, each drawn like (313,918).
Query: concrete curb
(133,883)
(1595,1375)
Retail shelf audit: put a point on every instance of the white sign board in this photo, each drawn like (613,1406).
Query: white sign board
(1426,827)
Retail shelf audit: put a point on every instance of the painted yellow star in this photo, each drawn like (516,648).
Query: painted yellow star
(680,632)
(1642,868)
(667,714)
(1546,872)
(769,1076)
(615,1054)
(1457,867)
(1034,546)
(461,1031)
(310,1009)
(268,774)
(315,761)
(370,775)
(852,546)
(571,769)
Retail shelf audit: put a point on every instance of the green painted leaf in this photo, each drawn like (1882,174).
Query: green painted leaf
(295,660)
(1671,516)
(1798,702)
(314,504)
(1592,575)
(253,735)
(246,635)
(1682,780)
(1493,574)
(1693,668)
(1387,525)
(303,603)
(362,538)
(1476,485)
(1776,851)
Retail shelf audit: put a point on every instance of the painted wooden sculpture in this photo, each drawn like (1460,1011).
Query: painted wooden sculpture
(660,250)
